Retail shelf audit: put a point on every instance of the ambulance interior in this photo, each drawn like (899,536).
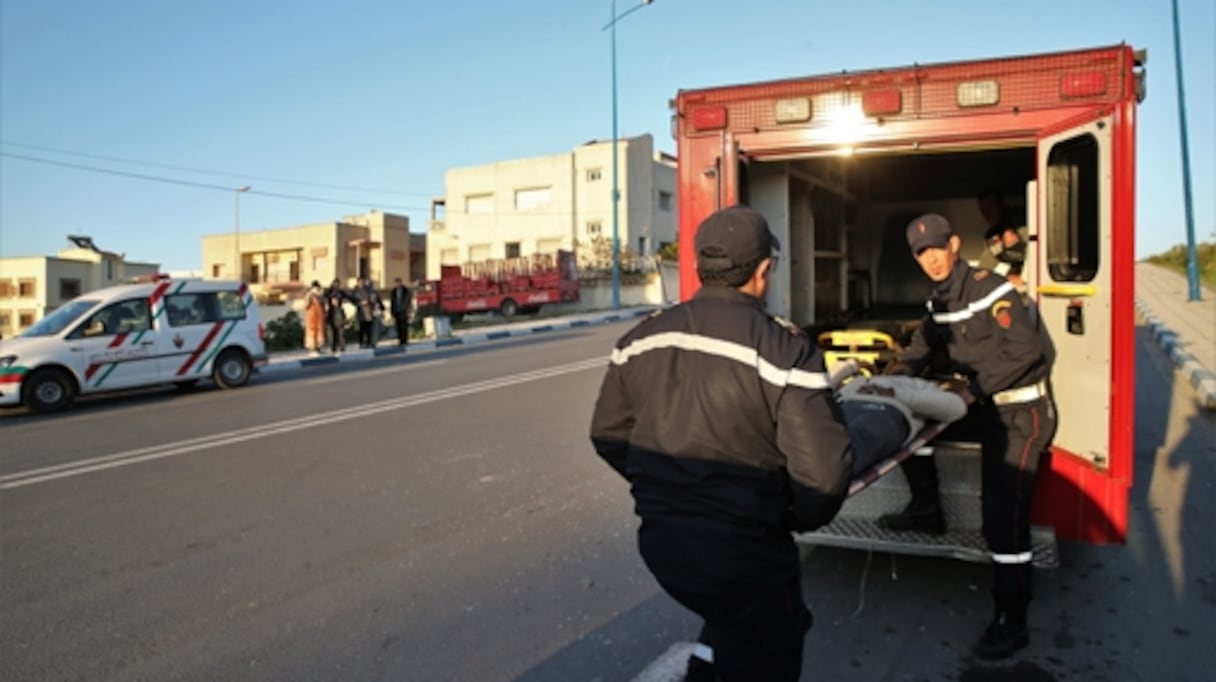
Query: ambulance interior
(844,260)
(845,265)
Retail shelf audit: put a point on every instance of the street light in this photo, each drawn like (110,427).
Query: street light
(236,231)
(616,195)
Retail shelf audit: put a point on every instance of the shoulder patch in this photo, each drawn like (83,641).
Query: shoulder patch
(1000,312)
(981,274)
(789,326)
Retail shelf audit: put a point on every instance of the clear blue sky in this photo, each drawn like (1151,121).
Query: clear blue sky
(371,101)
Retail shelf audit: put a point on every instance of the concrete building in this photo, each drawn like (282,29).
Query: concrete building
(280,262)
(563,201)
(31,287)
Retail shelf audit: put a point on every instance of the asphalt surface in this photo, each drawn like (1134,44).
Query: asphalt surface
(440,516)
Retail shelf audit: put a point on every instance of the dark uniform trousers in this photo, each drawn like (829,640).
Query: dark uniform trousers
(1014,438)
(756,631)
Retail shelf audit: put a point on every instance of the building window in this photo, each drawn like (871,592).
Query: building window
(320,264)
(6,288)
(25,319)
(479,204)
(5,320)
(664,201)
(217,271)
(68,289)
(594,174)
(533,198)
(512,249)
(26,288)
(109,269)
(595,227)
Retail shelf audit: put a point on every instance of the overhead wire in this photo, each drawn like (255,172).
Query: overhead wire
(202,185)
(204,171)
(259,192)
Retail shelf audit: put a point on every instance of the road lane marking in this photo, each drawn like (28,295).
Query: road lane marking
(372,372)
(148,454)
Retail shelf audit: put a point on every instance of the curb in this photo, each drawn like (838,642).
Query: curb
(1201,378)
(365,355)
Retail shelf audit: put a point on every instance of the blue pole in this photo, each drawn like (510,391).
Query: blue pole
(616,238)
(1192,264)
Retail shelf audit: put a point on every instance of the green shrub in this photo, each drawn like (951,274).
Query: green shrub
(285,333)
(1205,259)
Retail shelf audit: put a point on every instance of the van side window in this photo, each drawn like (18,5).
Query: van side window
(124,317)
(232,306)
(184,310)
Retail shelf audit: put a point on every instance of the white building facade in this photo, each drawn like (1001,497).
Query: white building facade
(31,287)
(564,201)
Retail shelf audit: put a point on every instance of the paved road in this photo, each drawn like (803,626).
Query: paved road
(441,517)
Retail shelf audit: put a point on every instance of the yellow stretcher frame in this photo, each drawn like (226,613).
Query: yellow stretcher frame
(866,346)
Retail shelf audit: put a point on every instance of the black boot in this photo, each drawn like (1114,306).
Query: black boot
(924,513)
(700,671)
(1007,633)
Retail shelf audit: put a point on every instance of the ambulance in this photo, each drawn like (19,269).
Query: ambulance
(161,332)
(840,163)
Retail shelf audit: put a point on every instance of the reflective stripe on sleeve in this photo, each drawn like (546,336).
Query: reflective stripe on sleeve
(974,307)
(723,349)
(1020,558)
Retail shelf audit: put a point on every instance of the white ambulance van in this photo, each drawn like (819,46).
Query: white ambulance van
(160,332)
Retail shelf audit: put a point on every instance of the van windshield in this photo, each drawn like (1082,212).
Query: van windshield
(63,316)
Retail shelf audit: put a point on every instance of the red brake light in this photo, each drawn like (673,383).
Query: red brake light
(1088,84)
(709,118)
(878,102)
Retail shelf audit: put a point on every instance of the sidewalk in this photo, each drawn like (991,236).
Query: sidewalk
(285,360)
(1185,329)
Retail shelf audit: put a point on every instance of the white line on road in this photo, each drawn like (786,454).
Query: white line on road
(372,372)
(51,473)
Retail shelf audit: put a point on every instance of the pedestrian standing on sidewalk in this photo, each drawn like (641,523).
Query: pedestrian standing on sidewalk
(399,306)
(978,319)
(314,319)
(722,419)
(335,296)
(367,303)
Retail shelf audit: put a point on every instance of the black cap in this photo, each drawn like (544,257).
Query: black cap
(733,237)
(930,231)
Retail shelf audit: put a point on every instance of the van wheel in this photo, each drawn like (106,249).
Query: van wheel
(48,390)
(509,308)
(231,370)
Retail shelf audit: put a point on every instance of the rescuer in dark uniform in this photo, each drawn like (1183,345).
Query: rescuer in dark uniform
(722,419)
(979,320)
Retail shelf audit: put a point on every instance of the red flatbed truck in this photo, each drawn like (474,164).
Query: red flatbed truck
(840,163)
(509,286)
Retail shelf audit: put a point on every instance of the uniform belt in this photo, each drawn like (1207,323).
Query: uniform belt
(1023,394)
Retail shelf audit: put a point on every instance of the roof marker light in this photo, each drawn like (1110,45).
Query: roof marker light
(794,110)
(978,93)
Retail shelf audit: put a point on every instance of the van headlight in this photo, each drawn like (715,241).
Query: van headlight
(7,361)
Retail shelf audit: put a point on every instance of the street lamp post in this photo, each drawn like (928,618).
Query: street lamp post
(236,230)
(1192,265)
(616,195)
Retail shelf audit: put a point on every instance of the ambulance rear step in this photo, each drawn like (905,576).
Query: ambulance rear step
(856,527)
